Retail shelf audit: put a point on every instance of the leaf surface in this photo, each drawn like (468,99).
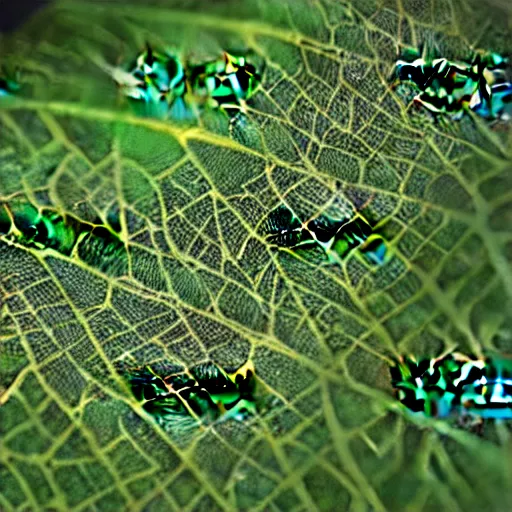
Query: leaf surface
(197,280)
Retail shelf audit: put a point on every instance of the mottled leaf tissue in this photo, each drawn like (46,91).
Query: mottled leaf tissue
(256,255)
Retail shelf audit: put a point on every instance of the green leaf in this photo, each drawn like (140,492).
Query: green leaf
(175,269)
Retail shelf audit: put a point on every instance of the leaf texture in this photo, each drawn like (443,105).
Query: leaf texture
(193,277)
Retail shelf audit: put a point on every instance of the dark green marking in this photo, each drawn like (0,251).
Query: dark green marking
(160,84)
(455,385)
(157,84)
(205,393)
(225,82)
(284,229)
(337,237)
(45,228)
(9,83)
(453,87)
(351,235)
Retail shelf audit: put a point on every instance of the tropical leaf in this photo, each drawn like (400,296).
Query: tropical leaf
(192,277)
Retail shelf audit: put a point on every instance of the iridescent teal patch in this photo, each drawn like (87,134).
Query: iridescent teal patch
(9,83)
(158,82)
(44,228)
(454,87)
(225,82)
(455,385)
(163,85)
(337,237)
(204,393)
